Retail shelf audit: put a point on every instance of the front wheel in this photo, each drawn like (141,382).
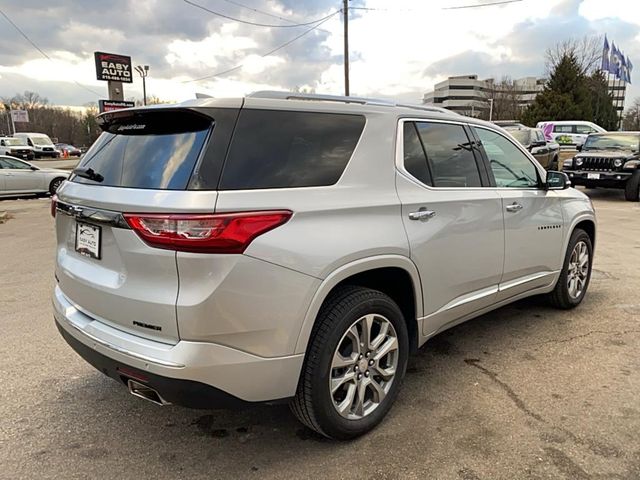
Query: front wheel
(355,363)
(576,272)
(632,188)
(55,185)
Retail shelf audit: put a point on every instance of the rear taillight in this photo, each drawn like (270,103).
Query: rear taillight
(204,233)
(54,205)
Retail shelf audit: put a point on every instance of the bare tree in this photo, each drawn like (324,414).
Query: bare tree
(506,98)
(26,100)
(586,50)
(631,119)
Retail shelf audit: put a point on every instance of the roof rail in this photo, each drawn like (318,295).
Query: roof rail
(313,96)
(279,95)
(427,108)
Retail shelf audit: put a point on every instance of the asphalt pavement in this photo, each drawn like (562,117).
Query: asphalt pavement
(525,392)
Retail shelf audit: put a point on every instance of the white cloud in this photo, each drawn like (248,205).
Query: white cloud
(391,48)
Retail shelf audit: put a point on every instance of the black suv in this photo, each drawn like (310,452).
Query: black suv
(608,160)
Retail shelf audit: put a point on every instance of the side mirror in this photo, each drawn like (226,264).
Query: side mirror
(537,143)
(557,180)
(579,148)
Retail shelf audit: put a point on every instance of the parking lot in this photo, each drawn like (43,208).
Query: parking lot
(522,392)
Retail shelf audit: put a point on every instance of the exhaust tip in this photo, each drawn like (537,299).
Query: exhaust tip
(147,393)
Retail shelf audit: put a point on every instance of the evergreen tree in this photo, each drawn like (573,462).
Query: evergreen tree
(603,111)
(572,95)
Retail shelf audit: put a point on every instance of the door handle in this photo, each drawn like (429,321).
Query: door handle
(514,207)
(423,215)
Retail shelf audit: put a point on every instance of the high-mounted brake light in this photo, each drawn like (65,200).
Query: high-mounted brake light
(54,205)
(205,233)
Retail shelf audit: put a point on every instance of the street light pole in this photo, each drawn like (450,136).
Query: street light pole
(490,109)
(143,71)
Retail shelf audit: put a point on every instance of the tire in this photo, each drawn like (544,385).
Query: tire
(632,188)
(563,296)
(55,184)
(315,405)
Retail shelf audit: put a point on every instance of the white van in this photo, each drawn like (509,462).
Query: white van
(16,147)
(568,133)
(41,143)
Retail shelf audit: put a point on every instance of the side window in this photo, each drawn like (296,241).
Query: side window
(14,164)
(2,143)
(415,161)
(540,136)
(511,168)
(449,155)
(286,149)
(584,129)
(29,142)
(563,129)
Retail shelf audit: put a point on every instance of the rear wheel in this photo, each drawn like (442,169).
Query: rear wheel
(55,184)
(632,188)
(576,272)
(355,363)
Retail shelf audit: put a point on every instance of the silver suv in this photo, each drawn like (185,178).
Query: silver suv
(299,248)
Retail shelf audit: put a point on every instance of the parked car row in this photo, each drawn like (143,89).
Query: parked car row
(29,146)
(18,177)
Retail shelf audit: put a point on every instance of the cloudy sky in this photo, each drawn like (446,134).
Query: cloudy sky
(398,49)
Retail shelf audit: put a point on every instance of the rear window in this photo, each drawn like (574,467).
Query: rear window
(280,149)
(153,150)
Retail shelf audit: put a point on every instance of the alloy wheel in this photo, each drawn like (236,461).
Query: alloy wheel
(364,366)
(578,270)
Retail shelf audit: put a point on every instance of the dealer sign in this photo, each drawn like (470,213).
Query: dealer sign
(112,67)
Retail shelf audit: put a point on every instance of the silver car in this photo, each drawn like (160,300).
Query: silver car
(18,177)
(285,247)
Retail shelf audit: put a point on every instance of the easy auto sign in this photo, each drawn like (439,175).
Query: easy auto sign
(113,67)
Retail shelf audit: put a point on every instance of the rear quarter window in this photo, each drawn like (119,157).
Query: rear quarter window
(283,149)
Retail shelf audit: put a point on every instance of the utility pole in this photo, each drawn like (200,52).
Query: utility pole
(345,15)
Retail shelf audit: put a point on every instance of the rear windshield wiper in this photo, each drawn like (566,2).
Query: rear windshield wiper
(88,173)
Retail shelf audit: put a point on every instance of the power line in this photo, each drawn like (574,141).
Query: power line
(271,52)
(503,2)
(256,24)
(268,14)
(26,37)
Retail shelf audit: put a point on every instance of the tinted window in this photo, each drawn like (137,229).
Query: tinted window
(415,161)
(563,128)
(278,149)
(154,150)
(510,167)
(449,154)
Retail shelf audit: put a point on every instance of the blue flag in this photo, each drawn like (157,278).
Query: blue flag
(605,55)
(629,68)
(614,61)
(623,67)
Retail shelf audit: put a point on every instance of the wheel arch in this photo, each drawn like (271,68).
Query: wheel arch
(391,274)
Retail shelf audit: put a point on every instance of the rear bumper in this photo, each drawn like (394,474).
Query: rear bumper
(607,179)
(192,374)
